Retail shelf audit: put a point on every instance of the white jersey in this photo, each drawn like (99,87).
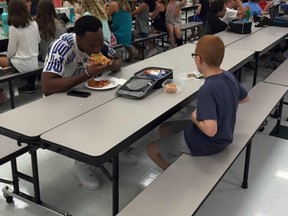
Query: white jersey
(65,59)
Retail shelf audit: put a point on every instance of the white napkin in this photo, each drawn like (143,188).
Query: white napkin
(119,81)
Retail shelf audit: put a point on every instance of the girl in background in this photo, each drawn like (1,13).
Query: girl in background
(96,8)
(50,28)
(158,16)
(24,37)
(142,22)
(120,12)
(173,21)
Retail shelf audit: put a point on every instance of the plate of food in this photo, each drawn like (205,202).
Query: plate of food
(191,75)
(101,84)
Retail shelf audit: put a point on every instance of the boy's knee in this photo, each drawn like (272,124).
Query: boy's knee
(151,149)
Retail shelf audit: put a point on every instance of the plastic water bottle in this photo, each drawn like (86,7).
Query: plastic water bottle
(72,15)
(247,14)
(4,18)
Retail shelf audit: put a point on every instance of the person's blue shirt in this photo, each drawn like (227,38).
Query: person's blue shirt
(255,8)
(218,100)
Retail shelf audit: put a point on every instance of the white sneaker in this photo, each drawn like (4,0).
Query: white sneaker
(85,175)
(126,157)
(151,52)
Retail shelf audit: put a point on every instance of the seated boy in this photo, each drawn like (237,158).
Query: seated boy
(211,126)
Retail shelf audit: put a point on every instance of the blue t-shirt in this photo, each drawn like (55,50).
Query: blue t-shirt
(218,100)
(255,8)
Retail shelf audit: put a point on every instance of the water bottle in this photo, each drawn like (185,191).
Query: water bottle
(247,14)
(4,18)
(72,15)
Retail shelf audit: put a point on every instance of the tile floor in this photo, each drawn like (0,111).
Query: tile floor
(266,195)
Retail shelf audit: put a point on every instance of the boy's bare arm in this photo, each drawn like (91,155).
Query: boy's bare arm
(208,127)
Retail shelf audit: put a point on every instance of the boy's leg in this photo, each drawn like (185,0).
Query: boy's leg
(166,150)
(154,154)
(170,127)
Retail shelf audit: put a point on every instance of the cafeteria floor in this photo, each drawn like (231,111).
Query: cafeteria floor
(266,195)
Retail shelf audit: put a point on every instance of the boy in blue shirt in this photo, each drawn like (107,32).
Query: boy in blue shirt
(212,125)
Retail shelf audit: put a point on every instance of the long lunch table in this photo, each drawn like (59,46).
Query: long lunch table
(231,37)
(260,42)
(35,122)
(128,120)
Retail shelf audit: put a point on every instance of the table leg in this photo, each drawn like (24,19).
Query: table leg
(246,167)
(256,68)
(115,184)
(11,92)
(279,116)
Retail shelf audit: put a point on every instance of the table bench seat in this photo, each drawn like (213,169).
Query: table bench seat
(183,187)
(10,150)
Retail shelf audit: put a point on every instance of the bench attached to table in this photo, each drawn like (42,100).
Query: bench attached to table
(183,187)
(16,75)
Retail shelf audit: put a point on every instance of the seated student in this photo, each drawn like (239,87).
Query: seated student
(24,37)
(173,22)
(213,23)
(73,4)
(211,127)
(254,7)
(234,10)
(120,11)
(266,5)
(65,70)
(50,28)
(158,17)
(201,13)
(142,27)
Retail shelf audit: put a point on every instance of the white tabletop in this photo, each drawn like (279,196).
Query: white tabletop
(279,76)
(261,40)
(121,117)
(231,37)
(42,115)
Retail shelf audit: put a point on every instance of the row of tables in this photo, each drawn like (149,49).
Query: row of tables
(70,125)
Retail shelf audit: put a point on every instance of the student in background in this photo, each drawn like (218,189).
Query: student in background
(173,22)
(201,13)
(254,7)
(24,37)
(96,8)
(142,27)
(120,12)
(213,23)
(234,10)
(50,28)
(211,127)
(158,17)
(73,4)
